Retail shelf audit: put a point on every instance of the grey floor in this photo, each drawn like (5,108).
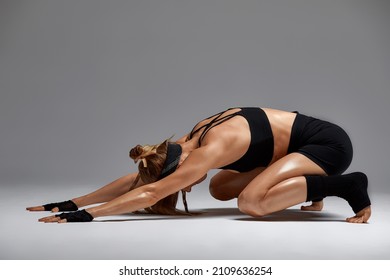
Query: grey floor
(220,232)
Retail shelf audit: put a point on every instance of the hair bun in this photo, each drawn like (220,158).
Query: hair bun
(142,153)
(136,152)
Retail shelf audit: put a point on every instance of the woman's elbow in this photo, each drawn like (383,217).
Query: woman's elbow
(150,196)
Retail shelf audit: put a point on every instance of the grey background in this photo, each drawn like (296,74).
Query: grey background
(81,82)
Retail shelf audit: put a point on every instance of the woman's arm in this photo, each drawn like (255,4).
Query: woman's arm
(108,192)
(197,164)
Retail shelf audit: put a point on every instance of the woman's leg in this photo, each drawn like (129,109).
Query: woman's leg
(278,187)
(108,192)
(314,206)
(283,185)
(226,185)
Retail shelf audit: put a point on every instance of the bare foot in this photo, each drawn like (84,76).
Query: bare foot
(361,217)
(315,206)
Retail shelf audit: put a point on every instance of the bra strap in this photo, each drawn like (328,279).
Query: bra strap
(214,122)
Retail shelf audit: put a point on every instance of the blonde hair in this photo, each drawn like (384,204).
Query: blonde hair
(152,159)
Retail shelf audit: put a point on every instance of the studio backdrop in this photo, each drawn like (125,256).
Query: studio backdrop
(81,82)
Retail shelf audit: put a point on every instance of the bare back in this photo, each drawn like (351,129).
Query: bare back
(234,135)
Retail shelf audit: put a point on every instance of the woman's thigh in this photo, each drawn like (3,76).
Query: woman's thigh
(290,166)
(227,185)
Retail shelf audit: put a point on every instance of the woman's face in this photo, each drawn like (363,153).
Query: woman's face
(188,189)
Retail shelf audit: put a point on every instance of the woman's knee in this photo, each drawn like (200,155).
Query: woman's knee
(218,190)
(252,205)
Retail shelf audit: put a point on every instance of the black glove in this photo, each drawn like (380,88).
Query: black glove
(62,206)
(75,217)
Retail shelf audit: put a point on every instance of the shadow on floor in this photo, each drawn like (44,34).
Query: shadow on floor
(295,215)
(288,215)
(196,214)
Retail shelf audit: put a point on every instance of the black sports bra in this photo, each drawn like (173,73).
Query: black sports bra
(261,148)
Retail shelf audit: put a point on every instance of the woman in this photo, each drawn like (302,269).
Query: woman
(271,160)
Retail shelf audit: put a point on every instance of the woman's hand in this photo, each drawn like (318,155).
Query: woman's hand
(70,217)
(35,208)
(55,207)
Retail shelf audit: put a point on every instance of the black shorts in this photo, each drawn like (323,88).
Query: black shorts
(327,144)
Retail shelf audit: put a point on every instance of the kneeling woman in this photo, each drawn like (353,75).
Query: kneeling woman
(271,160)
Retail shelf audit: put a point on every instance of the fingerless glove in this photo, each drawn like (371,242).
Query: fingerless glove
(62,206)
(76,217)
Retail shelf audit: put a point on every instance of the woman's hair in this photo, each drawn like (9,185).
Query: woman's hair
(152,159)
